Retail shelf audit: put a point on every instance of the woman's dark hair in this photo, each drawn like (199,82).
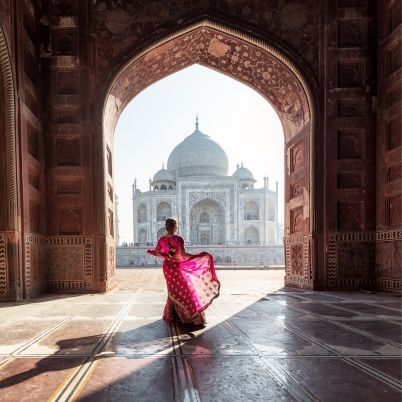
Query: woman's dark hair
(170,224)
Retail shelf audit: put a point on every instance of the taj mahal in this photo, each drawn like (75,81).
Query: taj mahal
(223,213)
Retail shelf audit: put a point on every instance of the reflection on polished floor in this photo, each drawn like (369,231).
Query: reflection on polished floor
(262,343)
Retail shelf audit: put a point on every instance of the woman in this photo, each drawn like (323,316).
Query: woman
(191,280)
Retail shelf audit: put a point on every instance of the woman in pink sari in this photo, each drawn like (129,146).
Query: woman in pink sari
(191,279)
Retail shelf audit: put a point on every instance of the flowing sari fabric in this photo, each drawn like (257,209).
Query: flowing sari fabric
(191,282)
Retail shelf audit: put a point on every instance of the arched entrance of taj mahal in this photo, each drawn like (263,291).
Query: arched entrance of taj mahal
(266,69)
(57,204)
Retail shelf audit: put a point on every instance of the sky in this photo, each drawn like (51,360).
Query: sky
(161,116)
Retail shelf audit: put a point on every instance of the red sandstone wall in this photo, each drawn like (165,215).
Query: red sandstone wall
(68,242)
(389,217)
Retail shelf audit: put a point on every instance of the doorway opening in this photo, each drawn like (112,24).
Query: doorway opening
(267,70)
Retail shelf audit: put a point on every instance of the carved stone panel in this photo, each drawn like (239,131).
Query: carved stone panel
(393,211)
(393,97)
(296,190)
(350,215)
(68,152)
(34,217)
(66,82)
(349,180)
(34,180)
(349,144)
(109,161)
(65,42)
(394,173)
(351,33)
(69,186)
(67,263)
(33,141)
(394,58)
(3,266)
(64,7)
(394,129)
(296,157)
(70,221)
(388,260)
(70,263)
(355,261)
(110,222)
(296,220)
(351,107)
(110,192)
(350,74)
(350,3)
(296,255)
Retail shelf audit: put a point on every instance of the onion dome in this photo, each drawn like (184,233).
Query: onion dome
(198,155)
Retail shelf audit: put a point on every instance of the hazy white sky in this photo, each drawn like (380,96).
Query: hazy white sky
(161,116)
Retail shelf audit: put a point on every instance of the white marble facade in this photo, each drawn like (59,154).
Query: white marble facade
(212,207)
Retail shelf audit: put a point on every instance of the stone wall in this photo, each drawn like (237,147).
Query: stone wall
(330,68)
(250,255)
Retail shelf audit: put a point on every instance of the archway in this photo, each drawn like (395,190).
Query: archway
(251,235)
(163,211)
(269,71)
(207,223)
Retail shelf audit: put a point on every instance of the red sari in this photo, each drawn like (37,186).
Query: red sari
(191,282)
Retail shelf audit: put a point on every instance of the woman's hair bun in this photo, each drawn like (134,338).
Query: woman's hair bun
(170,224)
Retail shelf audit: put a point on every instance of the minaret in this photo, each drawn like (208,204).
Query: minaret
(134,187)
(116,218)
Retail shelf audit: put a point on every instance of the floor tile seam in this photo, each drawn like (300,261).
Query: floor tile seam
(334,305)
(236,331)
(367,334)
(288,381)
(386,307)
(349,328)
(375,373)
(208,355)
(345,357)
(340,307)
(184,379)
(295,389)
(70,388)
(44,334)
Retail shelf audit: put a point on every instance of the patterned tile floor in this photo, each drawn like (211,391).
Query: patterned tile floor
(262,343)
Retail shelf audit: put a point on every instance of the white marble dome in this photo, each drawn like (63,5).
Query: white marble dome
(244,174)
(198,155)
(163,175)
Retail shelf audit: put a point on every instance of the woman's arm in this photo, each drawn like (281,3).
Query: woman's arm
(183,251)
(157,251)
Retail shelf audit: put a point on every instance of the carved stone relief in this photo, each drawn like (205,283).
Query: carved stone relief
(350,215)
(349,144)
(68,152)
(70,221)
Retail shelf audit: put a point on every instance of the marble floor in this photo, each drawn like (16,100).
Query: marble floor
(262,343)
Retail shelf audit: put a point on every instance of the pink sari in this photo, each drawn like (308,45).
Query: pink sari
(191,282)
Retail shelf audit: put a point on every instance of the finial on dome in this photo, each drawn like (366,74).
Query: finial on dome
(196,122)
(242,164)
(163,166)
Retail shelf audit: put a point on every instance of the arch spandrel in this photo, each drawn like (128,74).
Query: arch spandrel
(229,55)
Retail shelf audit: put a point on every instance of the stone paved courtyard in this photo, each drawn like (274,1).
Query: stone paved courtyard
(262,343)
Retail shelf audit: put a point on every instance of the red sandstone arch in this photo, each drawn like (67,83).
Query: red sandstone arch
(258,64)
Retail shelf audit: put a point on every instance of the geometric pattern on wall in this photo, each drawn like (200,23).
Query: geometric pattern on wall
(3,266)
(298,247)
(72,255)
(35,264)
(358,249)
